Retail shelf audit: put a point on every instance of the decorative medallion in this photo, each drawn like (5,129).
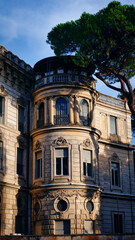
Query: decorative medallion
(87,142)
(60,141)
(37,145)
(115,157)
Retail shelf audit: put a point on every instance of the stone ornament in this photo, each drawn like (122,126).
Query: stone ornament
(114,157)
(3,91)
(61,141)
(38,145)
(87,142)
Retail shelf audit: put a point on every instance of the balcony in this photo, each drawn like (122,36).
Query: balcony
(61,120)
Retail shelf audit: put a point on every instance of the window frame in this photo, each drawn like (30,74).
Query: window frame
(54,145)
(123,222)
(87,145)
(40,121)
(58,118)
(2,117)
(87,120)
(115,159)
(115,125)
(87,163)
(61,162)
(21,125)
(41,165)
(22,175)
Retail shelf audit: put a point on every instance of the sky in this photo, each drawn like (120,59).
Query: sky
(24,25)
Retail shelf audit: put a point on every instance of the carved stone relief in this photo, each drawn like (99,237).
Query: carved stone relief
(38,145)
(60,141)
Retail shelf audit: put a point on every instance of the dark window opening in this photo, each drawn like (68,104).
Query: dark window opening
(21,119)
(38,165)
(20,161)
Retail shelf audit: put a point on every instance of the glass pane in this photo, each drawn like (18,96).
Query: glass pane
(112,125)
(84,108)
(58,166)
(89,169)
(84,169)
(87,156)
(21,119)
(61,107)
(41,111)
(38,164)
(19,161)
(65,166)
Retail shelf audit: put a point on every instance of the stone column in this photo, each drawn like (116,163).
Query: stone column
(76,111)
(51,121)
(71,114)
(45,112)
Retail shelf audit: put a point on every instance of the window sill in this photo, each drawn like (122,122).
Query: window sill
(61,178)
(116,188)
(114,137)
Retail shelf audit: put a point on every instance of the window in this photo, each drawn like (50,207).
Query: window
(113,129)
(20,161)
(1,155)
(1,110)
(61,161)
(21,119)
(38,164)
(40,122)
(62,227)
(61,112)
(115,174)
(84,113)
(118,223)
(87,163)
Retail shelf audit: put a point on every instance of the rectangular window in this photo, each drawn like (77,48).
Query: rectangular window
(61,161)
(62,227)
(20,161)
(113,129)
(1,155)
(1,110)
(21,119)
(115,174)
(38,164)
(118,223)
(87,163)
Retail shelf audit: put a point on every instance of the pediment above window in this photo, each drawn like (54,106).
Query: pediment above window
(3,91)
(38,145)
(60,141)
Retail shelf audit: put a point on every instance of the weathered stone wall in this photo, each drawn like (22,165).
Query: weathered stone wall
(77,237)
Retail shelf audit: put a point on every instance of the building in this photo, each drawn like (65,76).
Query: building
(66,154)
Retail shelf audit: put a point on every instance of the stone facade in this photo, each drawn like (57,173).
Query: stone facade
(67,155)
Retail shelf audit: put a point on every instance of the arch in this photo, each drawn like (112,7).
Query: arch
(84,113)
(61,111)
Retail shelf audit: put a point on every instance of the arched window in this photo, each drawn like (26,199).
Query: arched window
(84,112)
(61,112)
(40,122)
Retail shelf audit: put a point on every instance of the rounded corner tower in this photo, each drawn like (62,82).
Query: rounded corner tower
(65,183)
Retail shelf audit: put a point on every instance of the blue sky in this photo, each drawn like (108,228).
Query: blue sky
(24,25)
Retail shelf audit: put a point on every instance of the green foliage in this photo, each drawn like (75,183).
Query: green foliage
(106,39)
